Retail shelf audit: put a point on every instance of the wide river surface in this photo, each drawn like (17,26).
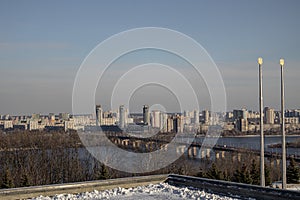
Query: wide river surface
(253,142)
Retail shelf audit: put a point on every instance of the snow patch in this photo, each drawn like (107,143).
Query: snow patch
(149,192)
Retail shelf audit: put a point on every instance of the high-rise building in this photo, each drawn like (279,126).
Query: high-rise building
(292,113)
(244,113)
(205,114)
(196,117)
(146,115)
(170,124)
(178,124)
(240,114)
(156,119)
(163,122)
(99,114)
(269,115)
(242,125)
(121,116)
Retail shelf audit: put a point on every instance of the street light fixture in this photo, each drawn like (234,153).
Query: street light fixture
(260,61)
(281,62)
(262,151)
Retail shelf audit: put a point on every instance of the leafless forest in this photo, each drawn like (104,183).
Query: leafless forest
(40,158)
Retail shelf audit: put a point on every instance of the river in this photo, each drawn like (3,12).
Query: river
(253,142)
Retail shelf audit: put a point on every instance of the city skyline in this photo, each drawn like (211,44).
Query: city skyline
(148,108)
(152,119)
(42,45)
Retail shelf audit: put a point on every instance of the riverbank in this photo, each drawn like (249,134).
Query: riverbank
(295,144)
(257,135)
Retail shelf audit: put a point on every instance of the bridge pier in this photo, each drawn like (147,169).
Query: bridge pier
(125,142)
(208,153)
(119,141)
(223,154)
(195,151)
(136,143)
(202,154)
(190,153)
(180,149)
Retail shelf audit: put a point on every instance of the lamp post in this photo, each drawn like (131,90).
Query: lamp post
(281,62)
(262,151)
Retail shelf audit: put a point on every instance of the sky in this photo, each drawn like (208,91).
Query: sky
(43,44)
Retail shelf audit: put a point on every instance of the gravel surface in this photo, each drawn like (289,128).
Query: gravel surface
(149,192)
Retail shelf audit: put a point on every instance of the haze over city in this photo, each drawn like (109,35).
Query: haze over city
(42,45)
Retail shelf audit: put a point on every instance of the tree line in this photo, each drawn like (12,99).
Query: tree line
(41,158)
(249,173)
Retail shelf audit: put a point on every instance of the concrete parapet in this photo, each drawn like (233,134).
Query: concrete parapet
(233,189)
(214,186)
(72,188)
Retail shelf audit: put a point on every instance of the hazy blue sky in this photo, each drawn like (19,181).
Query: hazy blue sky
(42,44)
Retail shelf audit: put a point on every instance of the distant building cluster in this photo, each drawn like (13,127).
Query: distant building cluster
(242,120)
(143,122)
(248,121)
(63,121)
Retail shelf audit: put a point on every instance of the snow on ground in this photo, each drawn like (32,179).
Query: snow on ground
(149,192)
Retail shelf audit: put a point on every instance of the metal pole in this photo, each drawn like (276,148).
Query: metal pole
(283,128)
(262,153)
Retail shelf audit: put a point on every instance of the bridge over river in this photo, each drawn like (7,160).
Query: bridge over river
(196,150)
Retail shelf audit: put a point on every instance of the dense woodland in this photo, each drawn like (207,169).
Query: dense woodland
(39,158)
